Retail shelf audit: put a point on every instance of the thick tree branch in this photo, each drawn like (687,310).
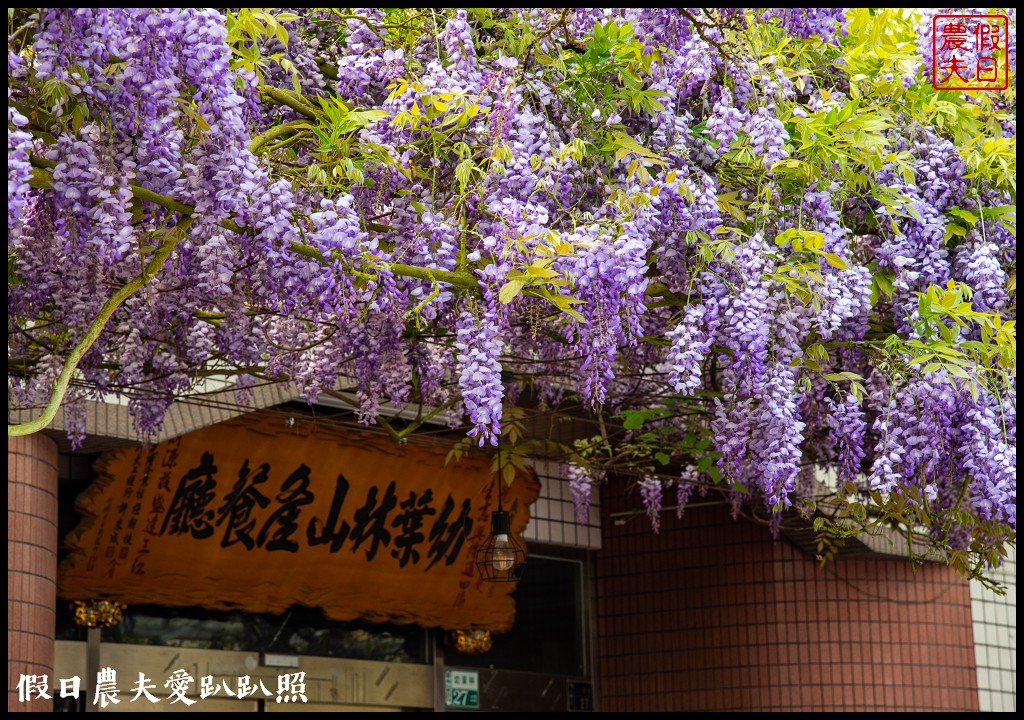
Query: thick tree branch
(291,99)
(173,236)
(42,178)
(275,132)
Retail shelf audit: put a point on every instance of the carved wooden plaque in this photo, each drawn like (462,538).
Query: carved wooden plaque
(252,515)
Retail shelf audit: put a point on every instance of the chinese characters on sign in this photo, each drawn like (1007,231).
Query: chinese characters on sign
(462,689)
(199,508)
(291,687)
(969,52)
(251,515)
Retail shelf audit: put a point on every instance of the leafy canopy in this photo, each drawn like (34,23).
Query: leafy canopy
(758,250)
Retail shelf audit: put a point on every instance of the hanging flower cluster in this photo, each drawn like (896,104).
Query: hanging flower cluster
(634,209)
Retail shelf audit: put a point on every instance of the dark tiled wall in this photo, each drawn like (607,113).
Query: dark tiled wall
(712,614)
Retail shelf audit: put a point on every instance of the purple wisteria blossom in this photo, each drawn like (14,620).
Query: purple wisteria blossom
(846,425)
(691,341)
(650,493)
(725,122)
(401,207)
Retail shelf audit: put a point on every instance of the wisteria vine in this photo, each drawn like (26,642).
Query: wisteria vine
(739,231)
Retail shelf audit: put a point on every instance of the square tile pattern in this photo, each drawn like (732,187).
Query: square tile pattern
(995,639)
(553,516)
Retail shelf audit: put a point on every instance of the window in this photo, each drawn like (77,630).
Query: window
(300,631)
(548,635)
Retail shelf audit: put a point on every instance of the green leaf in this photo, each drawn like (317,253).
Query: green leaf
(957,371)
(509,291)
(633,420)
(662,458)
(575,315)
(80,113)
(785,237)
(835,261)
(625,141)
(966,215)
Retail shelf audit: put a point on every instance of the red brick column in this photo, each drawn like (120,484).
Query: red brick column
(31,564)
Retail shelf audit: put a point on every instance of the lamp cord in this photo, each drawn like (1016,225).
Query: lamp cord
(500,508)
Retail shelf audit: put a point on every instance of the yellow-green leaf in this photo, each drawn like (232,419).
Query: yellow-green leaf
(836,261)
(509,291)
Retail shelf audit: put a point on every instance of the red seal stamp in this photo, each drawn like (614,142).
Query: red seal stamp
(969,52)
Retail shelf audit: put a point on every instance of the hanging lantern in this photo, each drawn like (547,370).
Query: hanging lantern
(501,558)
(97,613)
(472,642)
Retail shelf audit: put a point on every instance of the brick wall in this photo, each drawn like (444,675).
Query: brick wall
(31,563)
(712,614)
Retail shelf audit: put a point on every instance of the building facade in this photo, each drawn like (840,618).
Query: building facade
(709,614)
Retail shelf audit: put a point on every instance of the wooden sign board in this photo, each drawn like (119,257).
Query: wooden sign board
(255,516)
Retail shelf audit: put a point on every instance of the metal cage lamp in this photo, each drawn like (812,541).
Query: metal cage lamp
(501,558)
